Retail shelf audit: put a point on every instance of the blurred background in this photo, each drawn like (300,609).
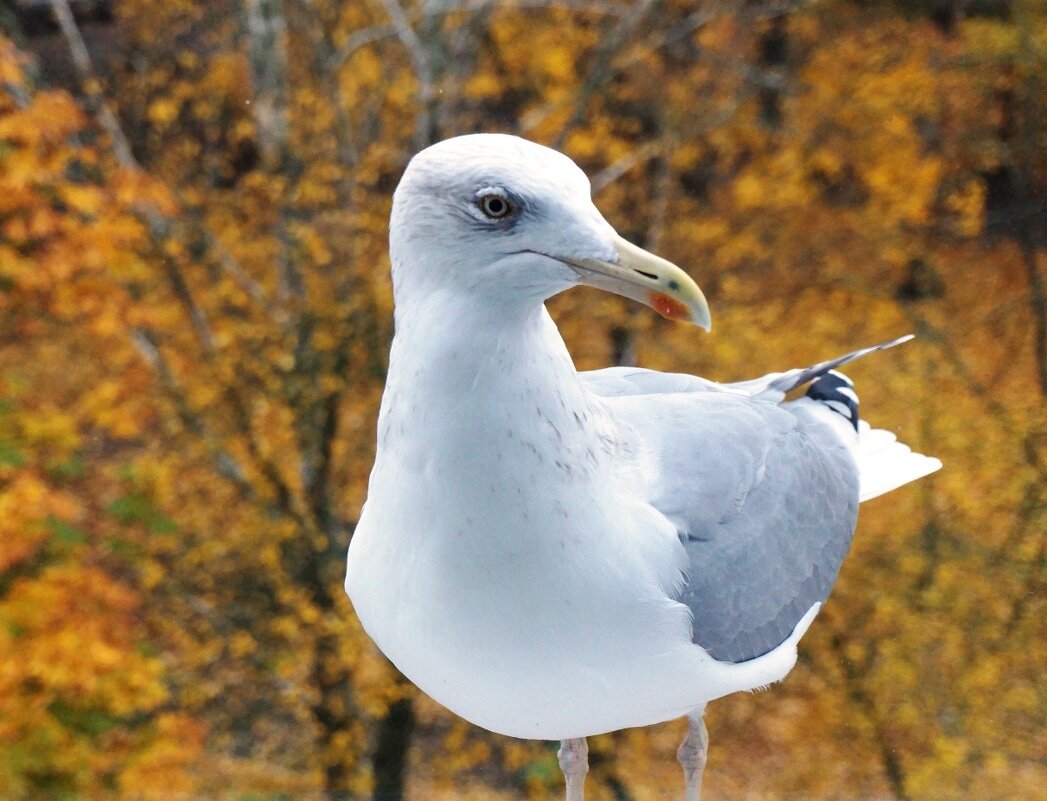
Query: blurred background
(195,313)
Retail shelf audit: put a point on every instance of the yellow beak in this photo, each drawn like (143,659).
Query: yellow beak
(650,279)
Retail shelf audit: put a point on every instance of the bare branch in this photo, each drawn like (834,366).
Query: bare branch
(858,693)
(925,330)
(422,68)
(160,231)
(1038,305)
(158,224)
(235,270)
(148,346)
(600,71)
(613,63)
(91,85)
(612,172)
(364,36)
(197,317)
(357,40)
(267,48)
(323,55)
(662,146)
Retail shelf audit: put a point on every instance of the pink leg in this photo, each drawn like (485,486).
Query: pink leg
(574,762)
(692,753)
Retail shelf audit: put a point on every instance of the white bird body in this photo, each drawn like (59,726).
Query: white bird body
(553,547)
(552,554)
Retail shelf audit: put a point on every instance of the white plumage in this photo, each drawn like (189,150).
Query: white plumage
(552,554)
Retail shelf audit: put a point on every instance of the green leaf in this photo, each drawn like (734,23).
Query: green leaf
(67,469)
(84,721)
(130,508)
(136,508)
(10,456)
(65,533)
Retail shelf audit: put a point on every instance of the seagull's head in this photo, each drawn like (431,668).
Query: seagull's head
(510,222)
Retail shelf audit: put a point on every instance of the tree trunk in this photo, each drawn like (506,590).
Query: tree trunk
(389,761)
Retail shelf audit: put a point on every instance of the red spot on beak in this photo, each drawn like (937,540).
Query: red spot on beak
(668,307)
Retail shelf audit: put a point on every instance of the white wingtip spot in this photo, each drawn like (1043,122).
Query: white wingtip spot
(839,406)
(842,377)
(848,393)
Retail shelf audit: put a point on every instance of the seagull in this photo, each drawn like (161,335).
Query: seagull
(553,554)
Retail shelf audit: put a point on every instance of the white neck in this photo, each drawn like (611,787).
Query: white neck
(481,361)
(485,385)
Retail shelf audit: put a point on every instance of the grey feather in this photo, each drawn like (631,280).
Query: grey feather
(618,381)
(783,383)
(614,382)
(765,499)
(763,494)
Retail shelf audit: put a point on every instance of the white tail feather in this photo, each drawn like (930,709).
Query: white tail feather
(885,464)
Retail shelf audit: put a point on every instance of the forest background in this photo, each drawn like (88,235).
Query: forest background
(195,313)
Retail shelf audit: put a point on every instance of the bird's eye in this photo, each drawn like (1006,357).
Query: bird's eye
(495,206)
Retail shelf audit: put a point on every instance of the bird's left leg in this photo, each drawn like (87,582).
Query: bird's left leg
(692,753)
(574,762)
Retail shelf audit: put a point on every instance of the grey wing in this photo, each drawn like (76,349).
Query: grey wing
(765,498)
(614,382)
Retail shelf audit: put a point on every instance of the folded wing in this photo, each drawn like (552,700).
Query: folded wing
(764,508)
(764,494)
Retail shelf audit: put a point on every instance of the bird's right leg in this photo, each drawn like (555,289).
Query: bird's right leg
(574,762)
(692,753)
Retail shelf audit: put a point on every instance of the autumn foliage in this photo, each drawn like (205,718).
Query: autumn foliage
(194,319)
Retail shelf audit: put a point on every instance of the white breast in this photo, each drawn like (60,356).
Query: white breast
(506,560)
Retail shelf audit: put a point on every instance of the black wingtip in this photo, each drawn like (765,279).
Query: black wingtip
(795,379)
(892,342)
(836,391)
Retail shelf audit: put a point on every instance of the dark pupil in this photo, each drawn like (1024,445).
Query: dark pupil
(495,206)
